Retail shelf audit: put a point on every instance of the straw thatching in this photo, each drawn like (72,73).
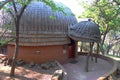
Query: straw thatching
(37,28)
(85,31)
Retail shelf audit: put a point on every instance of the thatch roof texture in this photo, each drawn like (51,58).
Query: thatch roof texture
(37,28)
(85,31)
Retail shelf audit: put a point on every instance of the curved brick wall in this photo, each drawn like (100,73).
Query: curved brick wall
(40,54)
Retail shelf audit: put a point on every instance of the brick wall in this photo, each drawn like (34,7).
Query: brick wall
(40,54)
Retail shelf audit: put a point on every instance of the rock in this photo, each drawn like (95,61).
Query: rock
(45,66)
(20,62)
(5,63)
(39,67)
(9,62)
(3,59)
(53,65)
(58,75)
(55,78)
(32,64)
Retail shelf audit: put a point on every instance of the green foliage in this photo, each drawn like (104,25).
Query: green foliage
(24,2)
(103,12)
(54,6)
(107,14)
(4,42)
(52,17)
(104,46)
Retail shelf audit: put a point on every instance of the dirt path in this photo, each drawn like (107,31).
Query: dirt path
(25,73)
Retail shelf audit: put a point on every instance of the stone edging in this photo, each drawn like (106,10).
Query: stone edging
(59,74)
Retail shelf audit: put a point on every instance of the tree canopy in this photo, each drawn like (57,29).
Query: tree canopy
(107,14)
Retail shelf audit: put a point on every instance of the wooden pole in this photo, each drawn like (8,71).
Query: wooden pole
(88,55)
(97,52)
(81,47)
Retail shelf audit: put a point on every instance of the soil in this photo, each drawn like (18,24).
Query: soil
(25,72)
(37,72)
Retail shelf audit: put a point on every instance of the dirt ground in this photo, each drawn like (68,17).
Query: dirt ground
(45,72)
(27,73)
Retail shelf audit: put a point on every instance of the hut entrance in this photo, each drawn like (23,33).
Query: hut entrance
(72,49)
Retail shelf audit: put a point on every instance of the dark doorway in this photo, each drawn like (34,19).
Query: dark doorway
(72,49)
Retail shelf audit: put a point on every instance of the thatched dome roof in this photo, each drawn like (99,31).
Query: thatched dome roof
(37,28)
(85,31)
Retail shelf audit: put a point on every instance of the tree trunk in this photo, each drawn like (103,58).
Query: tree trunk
(104,36)
(17,18)
(103,40)
(16,49)
(111,45)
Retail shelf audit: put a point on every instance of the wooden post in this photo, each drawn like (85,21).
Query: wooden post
(97,52)
(76,49)
(91,48)
(88,55)
(81,47)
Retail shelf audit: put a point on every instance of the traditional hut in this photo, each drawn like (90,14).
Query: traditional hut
(43,39)
(86,31)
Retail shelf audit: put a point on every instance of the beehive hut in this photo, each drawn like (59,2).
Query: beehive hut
(86,31)
(43,39)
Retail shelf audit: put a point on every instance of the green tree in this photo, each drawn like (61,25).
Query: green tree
(107,14)
(16,17)
(2,3)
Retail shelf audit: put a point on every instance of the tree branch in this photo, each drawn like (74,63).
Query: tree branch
(14,6)
(4,2)
(12,15)
(104,36)
(23,8)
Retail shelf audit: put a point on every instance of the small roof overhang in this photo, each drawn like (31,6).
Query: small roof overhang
(85,31)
